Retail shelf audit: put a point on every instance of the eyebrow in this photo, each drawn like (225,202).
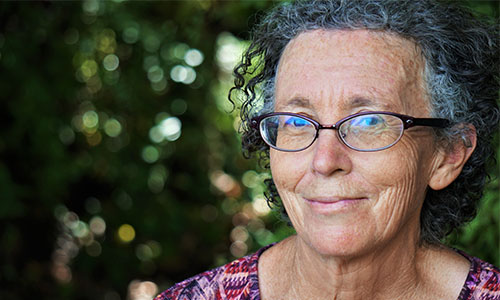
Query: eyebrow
(299,102)
(359,101)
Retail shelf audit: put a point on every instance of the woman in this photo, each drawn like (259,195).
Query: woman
(377,118)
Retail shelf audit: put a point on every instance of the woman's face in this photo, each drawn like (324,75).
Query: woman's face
(340,201)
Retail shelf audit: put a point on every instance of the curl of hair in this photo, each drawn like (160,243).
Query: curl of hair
(461,73)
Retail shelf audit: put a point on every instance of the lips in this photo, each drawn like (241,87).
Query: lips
(331,205)
(332,199)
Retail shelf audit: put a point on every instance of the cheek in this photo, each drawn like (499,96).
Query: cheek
(287,169)
(401,184)
(403,167)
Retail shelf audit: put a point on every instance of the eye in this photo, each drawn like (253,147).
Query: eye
(367,121)
(296,122)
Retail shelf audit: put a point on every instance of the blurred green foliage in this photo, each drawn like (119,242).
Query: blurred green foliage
(120,168)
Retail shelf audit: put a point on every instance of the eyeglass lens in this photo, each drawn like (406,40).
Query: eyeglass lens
(369,132)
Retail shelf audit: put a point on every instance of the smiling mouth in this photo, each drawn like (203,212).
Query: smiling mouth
(326,206)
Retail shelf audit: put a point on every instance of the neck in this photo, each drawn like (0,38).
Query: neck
(355,278)
(388,272)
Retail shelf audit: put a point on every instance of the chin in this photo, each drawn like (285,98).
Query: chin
(337,241)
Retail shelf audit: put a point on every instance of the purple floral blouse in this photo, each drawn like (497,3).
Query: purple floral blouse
(238,280)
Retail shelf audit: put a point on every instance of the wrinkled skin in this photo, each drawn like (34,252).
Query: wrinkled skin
(390,184)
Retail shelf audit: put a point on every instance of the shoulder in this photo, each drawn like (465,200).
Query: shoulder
(235,280)
(483,280)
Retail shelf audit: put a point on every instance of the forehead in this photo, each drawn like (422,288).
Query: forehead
(343,65)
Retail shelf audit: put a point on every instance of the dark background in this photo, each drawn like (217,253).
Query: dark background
(120,165)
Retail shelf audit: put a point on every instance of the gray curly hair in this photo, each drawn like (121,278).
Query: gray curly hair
(461,73)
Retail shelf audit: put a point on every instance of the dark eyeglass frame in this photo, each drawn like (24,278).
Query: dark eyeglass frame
(408,122)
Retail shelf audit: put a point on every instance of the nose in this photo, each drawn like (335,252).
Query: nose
(331,156)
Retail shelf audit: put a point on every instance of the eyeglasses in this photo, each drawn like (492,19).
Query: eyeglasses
(365,131)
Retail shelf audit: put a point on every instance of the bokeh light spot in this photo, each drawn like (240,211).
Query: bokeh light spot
(168,129)
(225,183)
(250,179)
(186,75)
(239,233)
(88,69)
(106,41)
(66,135)
(178,73)
(155,74)
(155,248)
(178,106)
(90,6)
(180,50)
(149,62)
(157,178)
(130,35)
(190,76)
(255,224)
(62,273)
(94,138)
(90,119)
(161,116)
(142,290)
(171,128)
(160,86)
(111,62)
(263,236)
(80,229)
(229,51)
(155,135)
(229,206)
(94,249)
(150,154)
(238,249)
(60,211)
(126,233)
(151,43)
(155,183)
(143,252)
(94,84)
(193,57)
(111,78)
(97,225)
(260,206)
(112,127)
(69,219)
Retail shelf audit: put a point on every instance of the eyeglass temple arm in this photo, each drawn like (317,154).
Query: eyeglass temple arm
(432,122)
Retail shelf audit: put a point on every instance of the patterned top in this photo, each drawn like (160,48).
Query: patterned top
(238,280)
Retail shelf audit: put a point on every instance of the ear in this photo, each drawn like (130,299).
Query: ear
(451,160)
